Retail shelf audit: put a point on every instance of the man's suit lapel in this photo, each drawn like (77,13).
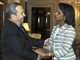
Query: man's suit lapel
(24,33)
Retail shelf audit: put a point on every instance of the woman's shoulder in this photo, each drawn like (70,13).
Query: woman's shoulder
(69,27)
(56,26)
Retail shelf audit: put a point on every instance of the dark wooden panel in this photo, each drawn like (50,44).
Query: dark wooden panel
(41,21)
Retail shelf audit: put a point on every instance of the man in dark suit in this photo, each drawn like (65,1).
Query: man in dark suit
(15,42)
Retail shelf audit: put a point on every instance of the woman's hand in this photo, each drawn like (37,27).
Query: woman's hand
(39,57)
(44,52)
(47,41)
(40,52)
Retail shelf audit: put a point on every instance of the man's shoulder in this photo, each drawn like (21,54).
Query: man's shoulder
(10,28)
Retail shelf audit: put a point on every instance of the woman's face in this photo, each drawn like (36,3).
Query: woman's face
(59,16)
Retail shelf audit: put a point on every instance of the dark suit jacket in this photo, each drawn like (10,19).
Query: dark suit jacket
(16,45)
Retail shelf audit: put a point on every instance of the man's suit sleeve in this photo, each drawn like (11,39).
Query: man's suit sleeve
(14,43)
(37,42)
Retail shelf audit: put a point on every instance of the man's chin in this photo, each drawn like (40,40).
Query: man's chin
(22,21)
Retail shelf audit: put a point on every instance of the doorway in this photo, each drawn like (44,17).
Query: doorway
(41,21)
(3,17)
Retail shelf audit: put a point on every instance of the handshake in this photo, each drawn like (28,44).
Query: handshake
(46,41)
(41,52)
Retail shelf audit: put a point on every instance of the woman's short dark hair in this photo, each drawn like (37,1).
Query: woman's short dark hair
(68,12)
(11,8)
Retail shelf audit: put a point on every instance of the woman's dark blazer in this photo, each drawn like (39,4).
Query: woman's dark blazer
(16,45)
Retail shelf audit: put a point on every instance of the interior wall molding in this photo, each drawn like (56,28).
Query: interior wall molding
(26,0)
(43,3)
(8,1)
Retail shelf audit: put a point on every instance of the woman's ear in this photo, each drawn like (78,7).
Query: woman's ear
(64,17)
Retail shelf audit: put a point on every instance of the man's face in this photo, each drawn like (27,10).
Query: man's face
(20,14)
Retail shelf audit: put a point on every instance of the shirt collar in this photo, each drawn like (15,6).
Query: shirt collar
(63,27)
(15,23)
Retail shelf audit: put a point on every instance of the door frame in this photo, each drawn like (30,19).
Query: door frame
(4,11)
(52,4)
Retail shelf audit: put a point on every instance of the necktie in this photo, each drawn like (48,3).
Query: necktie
(23,30)
(28,43)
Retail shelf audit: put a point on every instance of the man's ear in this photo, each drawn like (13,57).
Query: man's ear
(12,16)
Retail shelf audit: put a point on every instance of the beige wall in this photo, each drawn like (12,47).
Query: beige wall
(13,1)
(77,20)
(39,3)
(42,3)
(19,1)
(53,5)
(23,3)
